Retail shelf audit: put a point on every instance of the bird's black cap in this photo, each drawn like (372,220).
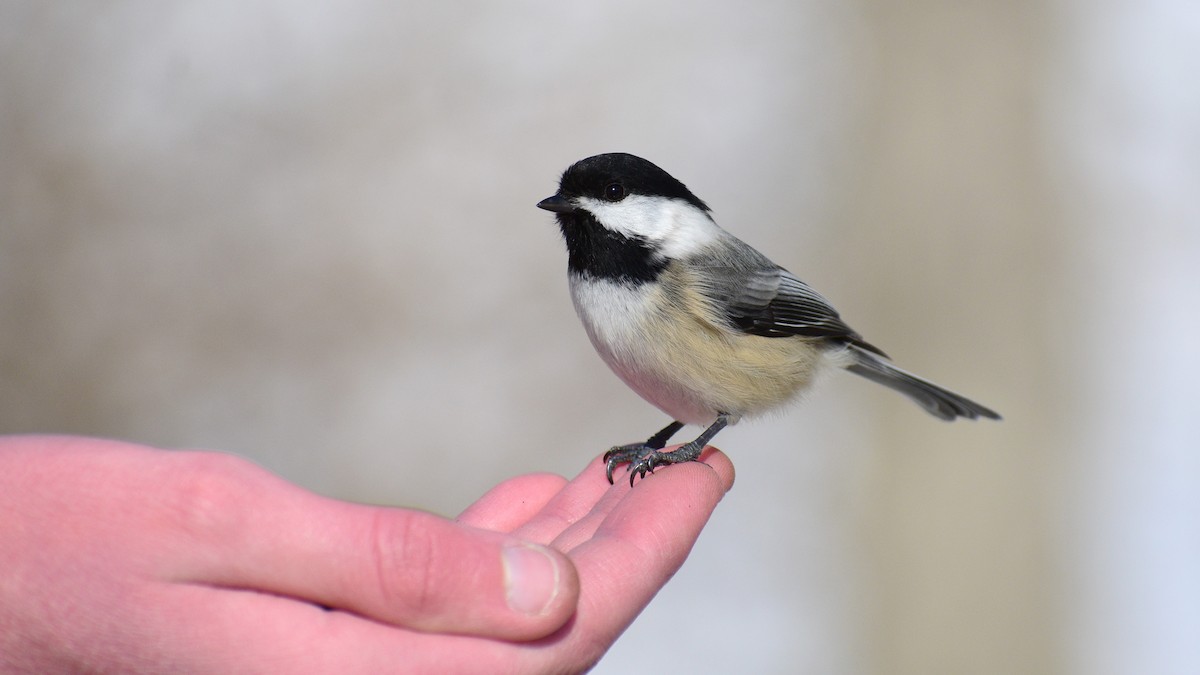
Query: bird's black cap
(590,177)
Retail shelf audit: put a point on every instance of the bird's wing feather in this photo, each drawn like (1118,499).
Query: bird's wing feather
(759,297)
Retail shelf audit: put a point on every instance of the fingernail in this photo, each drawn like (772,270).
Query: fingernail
(530,578)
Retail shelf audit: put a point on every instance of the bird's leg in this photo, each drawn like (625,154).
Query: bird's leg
(647,458)
(657,441)
(628,453)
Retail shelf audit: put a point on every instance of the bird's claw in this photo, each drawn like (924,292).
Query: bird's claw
(643,458)
(637,455)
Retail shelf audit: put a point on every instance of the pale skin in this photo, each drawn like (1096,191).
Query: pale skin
(116,557)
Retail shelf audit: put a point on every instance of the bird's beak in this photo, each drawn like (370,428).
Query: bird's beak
(557,204)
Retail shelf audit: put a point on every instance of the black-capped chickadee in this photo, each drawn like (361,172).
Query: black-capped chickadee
(693,319)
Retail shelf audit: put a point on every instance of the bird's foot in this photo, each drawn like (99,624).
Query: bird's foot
(643,458)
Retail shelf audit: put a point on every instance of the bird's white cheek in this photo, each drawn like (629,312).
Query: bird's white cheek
(675,228)
(690,231)
(635,216)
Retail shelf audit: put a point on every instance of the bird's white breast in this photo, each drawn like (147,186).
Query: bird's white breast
(614,314)
(624,323)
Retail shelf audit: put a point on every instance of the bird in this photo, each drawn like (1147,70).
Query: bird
(694,320)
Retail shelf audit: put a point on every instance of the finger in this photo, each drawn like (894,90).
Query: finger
(574,501)
(638,546)
(408,568)
(202,629)
(590,496)
(513,502)
(711,460)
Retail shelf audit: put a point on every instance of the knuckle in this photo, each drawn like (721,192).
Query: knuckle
(407,562)
(209,499)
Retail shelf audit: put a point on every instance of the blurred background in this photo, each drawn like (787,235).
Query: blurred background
(306,235)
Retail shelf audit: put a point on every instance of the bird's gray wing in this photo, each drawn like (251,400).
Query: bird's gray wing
(758,297)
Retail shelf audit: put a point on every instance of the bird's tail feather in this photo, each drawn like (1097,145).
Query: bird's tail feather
(937,401)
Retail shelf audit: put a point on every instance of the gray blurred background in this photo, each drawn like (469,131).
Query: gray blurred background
(306,235)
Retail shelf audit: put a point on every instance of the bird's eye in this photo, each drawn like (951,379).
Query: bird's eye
(614,192)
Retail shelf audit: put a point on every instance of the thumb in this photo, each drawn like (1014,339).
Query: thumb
(398,566)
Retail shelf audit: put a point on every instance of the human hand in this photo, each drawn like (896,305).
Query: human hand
(119,558)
